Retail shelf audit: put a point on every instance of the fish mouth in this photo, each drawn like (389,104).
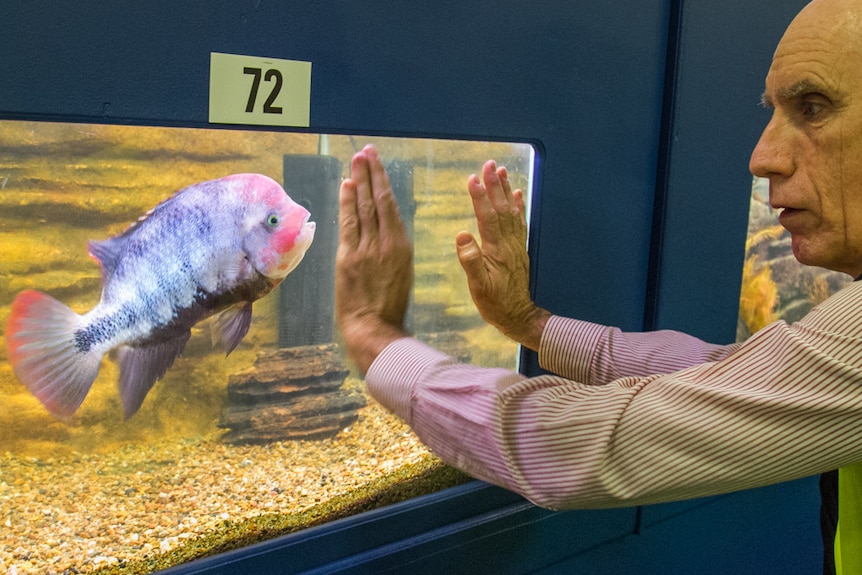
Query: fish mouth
(306,234)
(300,247)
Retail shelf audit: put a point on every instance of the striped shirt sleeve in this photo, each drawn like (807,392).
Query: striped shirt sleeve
(642,418)
(595,354)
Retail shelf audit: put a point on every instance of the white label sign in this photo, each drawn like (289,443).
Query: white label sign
(259,91)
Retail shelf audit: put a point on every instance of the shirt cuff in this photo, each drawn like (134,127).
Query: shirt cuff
(567,347)
(394,374)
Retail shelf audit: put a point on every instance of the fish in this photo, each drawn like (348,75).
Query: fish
(212,248)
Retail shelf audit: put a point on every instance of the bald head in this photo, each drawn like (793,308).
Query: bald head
(840,20)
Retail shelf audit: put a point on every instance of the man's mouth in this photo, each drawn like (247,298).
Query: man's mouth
(788,215)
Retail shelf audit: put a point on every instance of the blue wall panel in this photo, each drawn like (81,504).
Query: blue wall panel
(757,532)
(724,52)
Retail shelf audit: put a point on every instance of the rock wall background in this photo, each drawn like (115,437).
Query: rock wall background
(774,285)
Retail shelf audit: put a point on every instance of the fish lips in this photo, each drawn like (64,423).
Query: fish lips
(303,241)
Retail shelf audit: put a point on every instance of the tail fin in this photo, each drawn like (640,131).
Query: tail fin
(40,341)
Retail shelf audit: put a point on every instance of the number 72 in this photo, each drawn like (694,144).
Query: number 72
(269,76)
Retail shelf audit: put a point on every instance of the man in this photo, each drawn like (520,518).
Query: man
(641,418)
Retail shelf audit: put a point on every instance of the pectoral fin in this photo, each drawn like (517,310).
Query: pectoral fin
(231,325)
(141,367)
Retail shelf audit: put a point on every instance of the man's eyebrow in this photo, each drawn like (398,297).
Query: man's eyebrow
(788,93)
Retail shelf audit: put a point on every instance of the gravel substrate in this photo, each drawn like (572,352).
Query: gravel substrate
(82,512)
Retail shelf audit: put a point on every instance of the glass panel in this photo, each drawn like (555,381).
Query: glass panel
(774,285)
(280,426)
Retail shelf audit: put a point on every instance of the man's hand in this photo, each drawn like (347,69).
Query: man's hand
(498,271)
(373,267)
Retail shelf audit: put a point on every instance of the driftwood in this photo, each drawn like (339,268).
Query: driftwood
(291,393)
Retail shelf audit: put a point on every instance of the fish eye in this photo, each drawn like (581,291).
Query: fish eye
(272,220)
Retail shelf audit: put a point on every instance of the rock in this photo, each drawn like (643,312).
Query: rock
(291,393)
(286,373)
(308,417)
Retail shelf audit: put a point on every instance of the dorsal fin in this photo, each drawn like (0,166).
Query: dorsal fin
(149,213)
(107,253)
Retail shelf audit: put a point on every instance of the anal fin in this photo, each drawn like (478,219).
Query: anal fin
(142,367)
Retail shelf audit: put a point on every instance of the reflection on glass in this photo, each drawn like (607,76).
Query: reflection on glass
(282,424)
(774,285)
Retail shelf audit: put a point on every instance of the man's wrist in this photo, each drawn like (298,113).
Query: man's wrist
(530,333)
(366,339)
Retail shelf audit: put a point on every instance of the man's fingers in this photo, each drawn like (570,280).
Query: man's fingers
(366,209)
(388,218)
(497,186)
(496,195)
(379,177)
(486,216)
(348,219)
(518,195)
(503,176)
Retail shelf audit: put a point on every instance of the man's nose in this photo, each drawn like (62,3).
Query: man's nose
(771,156)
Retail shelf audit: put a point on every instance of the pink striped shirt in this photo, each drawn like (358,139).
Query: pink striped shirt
(636,418)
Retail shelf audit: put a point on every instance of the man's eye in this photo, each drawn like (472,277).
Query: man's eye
(812,108)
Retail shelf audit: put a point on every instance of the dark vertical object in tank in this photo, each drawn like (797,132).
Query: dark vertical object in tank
(307,295)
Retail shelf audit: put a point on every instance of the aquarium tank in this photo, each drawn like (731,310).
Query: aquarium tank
(224,449)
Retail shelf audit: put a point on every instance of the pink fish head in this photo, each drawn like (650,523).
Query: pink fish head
(277,229)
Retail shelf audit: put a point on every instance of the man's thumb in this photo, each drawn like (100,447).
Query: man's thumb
(469,253)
